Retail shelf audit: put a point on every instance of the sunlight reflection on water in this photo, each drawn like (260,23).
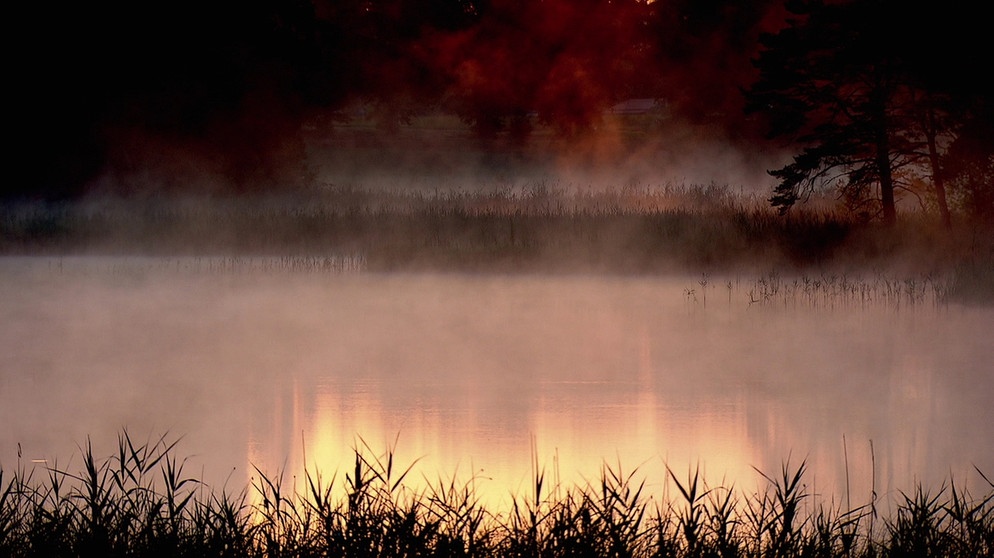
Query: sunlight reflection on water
(475,376)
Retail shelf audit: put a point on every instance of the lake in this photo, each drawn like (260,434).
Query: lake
(257,362)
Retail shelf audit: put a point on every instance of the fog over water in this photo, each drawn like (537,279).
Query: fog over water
(469,373)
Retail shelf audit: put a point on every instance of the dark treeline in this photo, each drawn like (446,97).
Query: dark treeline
(882,98)
(107,85)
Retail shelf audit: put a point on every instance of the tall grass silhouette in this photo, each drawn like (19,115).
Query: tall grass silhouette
(141,502)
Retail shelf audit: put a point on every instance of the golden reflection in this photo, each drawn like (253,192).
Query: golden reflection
(615,382)
(568,429)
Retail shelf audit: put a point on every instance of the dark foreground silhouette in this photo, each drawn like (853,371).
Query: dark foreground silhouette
(141,502)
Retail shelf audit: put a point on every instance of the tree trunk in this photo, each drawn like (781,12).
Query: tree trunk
(886,177)
(887,195)
(884,173)
(937,181)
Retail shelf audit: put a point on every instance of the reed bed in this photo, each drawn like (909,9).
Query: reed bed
(531,227)
(850,291)
(141,501)
(208,265)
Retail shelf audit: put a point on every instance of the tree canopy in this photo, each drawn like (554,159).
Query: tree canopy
(235,80)
(864,87)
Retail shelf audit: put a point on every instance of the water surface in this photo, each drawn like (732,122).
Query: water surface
(476,375)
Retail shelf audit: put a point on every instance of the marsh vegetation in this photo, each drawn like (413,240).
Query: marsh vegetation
(141,501)
(517,227)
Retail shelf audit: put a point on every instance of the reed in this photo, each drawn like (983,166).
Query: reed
(139,502)
(533,226)
(843,290)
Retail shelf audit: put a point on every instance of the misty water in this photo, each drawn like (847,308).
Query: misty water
(476,376)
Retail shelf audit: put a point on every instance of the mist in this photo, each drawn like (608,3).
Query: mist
(499,242)
(263,366)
